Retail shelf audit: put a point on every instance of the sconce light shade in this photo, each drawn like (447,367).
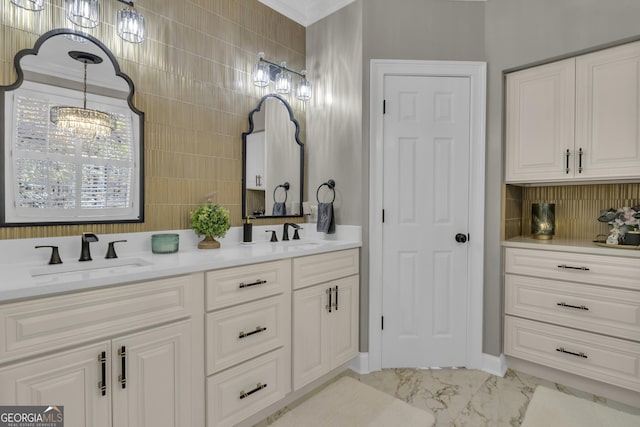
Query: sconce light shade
(32,5)
(283,80)
(261,72)
(83,13)
(543,220)
(130,26)
(304,88)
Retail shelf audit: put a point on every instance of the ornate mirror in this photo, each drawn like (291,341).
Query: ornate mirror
(272,161)
(72,141)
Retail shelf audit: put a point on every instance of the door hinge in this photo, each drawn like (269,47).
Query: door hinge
(384,106)
(382,215)
(382,322)
(468,237)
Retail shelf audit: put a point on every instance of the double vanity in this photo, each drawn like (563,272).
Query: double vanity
(200,337)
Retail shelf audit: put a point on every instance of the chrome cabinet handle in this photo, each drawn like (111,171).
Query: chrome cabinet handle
(565,266)
(567,154)
(572,353)
(580,154)
(579,307)
(259,387)
(248,334)
(102,385)
(122,378)
(256,283)
(329,305)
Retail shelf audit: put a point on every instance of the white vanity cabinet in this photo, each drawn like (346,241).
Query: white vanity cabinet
(108,362)
(325,313)
(255,178)
(575,119)
(248,340)
(574,312)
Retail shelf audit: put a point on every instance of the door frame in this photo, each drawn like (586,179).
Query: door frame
(476,71)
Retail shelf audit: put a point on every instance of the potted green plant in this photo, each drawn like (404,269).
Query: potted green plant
(210,221)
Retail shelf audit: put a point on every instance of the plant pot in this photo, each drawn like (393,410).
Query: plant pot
(209,243)
(632,238)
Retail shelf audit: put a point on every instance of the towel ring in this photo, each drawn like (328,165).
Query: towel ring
(331,184)
(286,187)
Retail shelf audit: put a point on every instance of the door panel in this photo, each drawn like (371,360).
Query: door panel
(426,198)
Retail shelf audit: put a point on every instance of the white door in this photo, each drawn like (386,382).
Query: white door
(426,204)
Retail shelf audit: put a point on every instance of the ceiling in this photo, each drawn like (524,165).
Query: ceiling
(306,12)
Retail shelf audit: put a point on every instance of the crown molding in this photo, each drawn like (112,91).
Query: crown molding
(306,12)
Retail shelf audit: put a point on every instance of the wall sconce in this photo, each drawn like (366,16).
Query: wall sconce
(543,220)
(86,14)
(32,5)
(265,71)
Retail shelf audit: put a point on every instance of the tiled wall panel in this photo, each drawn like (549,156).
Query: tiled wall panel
(193,81)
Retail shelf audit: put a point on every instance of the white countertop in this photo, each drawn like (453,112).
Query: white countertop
(19,260)
(579,246)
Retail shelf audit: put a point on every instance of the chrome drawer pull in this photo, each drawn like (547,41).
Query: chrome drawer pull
(579,307)
(259,387)
(573,268)
(562,350)
(257,282)
(257,331)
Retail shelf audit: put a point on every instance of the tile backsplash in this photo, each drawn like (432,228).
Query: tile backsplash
(577,207)
(192,78)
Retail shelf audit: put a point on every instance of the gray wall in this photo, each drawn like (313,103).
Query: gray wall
(505,33)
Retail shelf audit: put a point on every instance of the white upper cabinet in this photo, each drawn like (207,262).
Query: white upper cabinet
(540,108)
(608,112)
(575,119)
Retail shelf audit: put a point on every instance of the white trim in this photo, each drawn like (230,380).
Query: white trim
(476,71)
(495,365)
(306,12)
(360,364)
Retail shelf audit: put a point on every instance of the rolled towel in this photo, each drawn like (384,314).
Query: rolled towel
(326,223)
(279,209)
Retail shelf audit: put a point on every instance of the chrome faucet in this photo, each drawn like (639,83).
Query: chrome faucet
(285,231)
(85,254)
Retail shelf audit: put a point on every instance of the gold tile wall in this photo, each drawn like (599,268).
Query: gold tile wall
(512,211)
(577,207)
(192,77)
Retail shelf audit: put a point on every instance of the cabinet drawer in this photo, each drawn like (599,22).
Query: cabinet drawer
(598,309)
(610,360)
(239,333)
(247,283)
(595,269)
(239,392)
(313,269)
(45,324)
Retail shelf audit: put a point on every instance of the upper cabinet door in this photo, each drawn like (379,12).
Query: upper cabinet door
(540,107)
(608,113)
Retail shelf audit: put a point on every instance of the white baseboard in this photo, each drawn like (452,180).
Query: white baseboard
(496,365)
(360,364)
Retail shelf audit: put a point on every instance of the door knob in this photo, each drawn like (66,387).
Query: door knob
(461,238)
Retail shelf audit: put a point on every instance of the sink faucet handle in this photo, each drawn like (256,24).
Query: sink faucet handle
(274,238)
(55,255)
(111,251)
(89,237)
(296,236)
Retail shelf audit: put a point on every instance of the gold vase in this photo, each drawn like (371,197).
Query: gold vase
(209,243)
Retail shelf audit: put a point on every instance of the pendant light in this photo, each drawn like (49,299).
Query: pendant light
(264,71)
(304,88)
(283,79)
(261,72)
(83,122)
(130,24)
(83,13)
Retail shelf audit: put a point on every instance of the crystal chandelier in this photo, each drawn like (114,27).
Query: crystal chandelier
(83,121)
(265,71)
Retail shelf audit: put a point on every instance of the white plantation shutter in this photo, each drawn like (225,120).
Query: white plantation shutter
(55,175)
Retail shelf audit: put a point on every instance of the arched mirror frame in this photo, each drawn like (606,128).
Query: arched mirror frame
(244,154)
(20,79)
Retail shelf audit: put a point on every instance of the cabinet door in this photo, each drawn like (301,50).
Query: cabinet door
(311,353)
(343,330)
(608,112)
(255,171)
(152,379)
(70,379)
(540,114)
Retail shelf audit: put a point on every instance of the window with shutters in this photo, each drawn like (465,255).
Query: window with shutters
(54,175)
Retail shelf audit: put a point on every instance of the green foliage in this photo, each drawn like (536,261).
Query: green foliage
(210,220)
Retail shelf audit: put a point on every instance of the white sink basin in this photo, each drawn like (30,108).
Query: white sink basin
(105,266)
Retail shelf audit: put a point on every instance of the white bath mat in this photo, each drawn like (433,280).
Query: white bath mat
(551,408)
(349,403)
